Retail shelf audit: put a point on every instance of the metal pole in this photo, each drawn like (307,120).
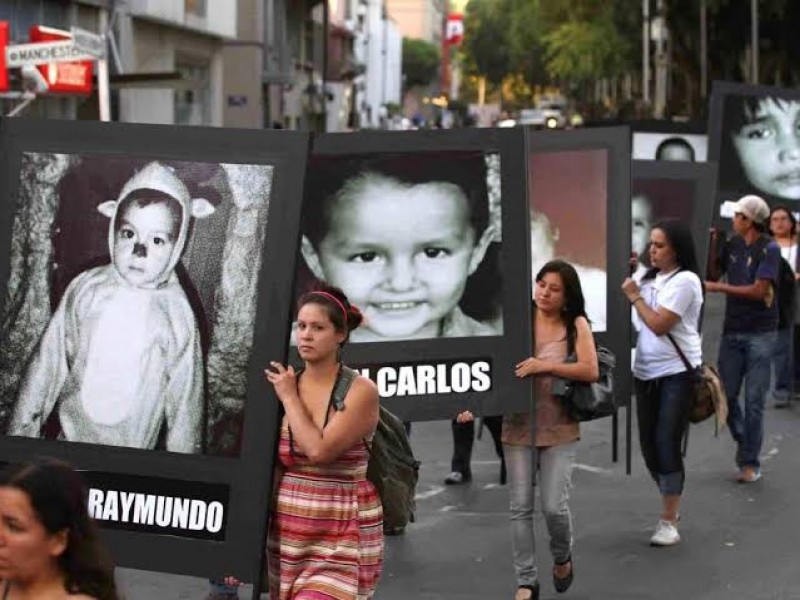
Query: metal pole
(325,32)
(703,50)
(646,51)
(103,87)
(754,38)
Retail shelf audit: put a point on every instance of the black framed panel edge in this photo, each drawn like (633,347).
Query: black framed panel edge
(248,475)
(508,394)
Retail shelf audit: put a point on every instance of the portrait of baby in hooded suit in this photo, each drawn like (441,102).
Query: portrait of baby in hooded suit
(121,358)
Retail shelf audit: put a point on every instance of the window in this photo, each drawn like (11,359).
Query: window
(193,97)
(195,7)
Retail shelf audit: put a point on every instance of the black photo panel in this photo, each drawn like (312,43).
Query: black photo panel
(425,233)
(144,286)
(754,135)
(578,200)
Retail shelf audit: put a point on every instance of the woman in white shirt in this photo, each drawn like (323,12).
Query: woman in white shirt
(667,301)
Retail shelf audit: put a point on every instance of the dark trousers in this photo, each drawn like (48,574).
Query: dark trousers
(464,438)
(662,411)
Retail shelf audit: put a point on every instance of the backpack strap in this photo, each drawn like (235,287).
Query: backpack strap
(344,381)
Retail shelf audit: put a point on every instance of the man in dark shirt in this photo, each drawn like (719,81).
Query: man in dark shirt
(750,261)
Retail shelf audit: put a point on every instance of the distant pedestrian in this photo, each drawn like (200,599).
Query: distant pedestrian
(49,548)
(783,228)
(667,301)
(749,259)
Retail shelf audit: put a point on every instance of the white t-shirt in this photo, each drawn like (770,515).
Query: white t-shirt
(790,254)
(680,293)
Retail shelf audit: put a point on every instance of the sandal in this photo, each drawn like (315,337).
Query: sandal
(562,583)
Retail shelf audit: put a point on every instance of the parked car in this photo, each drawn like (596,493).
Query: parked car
(545,116)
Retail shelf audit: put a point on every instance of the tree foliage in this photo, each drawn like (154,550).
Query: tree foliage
(421,60)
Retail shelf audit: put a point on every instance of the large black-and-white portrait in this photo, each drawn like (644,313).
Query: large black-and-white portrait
(413,239)
(131,300)
(760,145)
(426,233)
(673,146)
(568,195)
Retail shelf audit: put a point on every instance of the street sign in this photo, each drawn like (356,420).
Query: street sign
(42,53)
(88,42)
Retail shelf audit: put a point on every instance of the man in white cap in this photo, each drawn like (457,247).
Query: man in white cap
(750,261)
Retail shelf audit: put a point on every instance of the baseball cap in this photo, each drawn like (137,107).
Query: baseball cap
(751,206)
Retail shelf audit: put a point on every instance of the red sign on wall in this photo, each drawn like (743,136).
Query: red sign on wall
(63,77)
(3,44)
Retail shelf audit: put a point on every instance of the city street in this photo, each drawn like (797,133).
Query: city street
(738,541)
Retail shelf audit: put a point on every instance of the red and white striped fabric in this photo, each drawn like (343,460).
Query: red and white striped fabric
(326,533)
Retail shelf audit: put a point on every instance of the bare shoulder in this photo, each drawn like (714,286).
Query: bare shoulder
(582,326)
(365,389)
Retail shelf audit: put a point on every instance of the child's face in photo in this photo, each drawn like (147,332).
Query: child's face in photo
(641,221)
(769,148)
(675,151)
(543,239)
(402,255)
(144,243)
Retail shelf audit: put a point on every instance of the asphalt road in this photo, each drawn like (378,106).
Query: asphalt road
(738,541)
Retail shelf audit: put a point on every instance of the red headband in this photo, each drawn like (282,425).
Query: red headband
(337,301)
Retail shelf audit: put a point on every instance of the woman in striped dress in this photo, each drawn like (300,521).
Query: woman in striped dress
(326,532)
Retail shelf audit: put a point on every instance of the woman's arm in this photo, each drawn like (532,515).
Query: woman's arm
(585,369)
(660,320)
(346,427)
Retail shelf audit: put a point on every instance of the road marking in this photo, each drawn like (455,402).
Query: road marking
(430,493)
(592,469)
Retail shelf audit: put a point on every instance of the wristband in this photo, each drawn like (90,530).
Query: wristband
(635,300)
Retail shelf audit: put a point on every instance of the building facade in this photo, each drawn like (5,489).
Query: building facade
(181,37)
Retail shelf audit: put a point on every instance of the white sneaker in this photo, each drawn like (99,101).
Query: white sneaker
(666,534)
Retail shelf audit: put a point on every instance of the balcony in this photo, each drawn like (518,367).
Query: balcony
(212,17)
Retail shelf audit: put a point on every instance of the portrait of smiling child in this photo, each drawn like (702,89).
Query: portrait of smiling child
(402,240)
(765,135)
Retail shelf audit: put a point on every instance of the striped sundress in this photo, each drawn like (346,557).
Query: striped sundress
(326,533)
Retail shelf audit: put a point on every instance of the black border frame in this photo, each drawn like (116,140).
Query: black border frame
(508,394)
(704,175)
(720,90)
(617,141)
(249,476)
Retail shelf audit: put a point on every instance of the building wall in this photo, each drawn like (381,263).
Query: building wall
(418,19)
(219,18)
(154,47)
(243,60)
(379,47)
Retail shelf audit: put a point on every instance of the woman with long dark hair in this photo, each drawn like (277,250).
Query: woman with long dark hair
(667,304)
(49,547)
(560,326)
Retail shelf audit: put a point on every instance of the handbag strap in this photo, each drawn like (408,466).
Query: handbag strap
(680,352)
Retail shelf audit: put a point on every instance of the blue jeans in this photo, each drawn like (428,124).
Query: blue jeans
(782,360)
(746,357)
(662,412)
(555,480)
